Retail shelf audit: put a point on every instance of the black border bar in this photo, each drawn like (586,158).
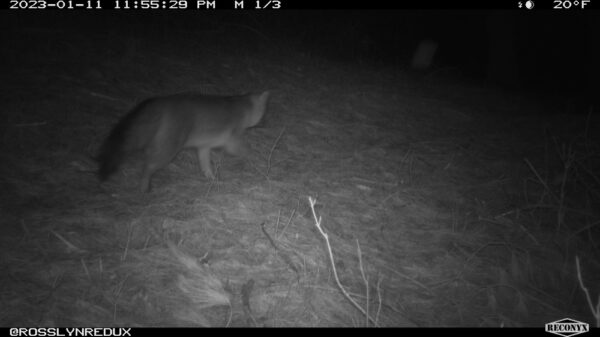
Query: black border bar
(207,5)
(195,332)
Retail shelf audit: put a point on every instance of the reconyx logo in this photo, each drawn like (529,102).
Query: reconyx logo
(567,327)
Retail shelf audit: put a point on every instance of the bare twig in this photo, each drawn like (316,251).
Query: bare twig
(379,279)
(331,260)
(365,280)
(271,152)
(70,247)
(595,311)
(277,223)
(129,233)
(283,254)
(85,269)
(289,220)
(542,181)
(568,157)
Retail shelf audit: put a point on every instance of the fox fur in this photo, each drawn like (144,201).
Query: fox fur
(161,127)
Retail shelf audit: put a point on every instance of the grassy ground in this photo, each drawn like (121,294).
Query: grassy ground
(445,204)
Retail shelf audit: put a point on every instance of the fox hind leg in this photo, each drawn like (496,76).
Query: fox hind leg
(156,158)
(150,167)
(147,173)
(235,146)
(204,160)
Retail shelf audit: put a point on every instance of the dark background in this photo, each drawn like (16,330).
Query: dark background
(545,52)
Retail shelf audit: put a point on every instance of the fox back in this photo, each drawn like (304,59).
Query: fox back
(160,127)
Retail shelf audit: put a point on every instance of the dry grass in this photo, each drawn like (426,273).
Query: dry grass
(469,212)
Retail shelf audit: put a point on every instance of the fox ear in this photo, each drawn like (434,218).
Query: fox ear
(259,106)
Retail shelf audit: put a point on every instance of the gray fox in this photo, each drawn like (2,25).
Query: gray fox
(160,127)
